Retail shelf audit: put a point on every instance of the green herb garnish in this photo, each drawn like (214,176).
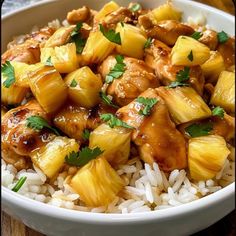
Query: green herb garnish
(117,70)
(190,56)
(112,121)
(9,72)
(148,104)
(49,62)
(181,77)
(196,130)
(148,43)
(76,37)
(19,184)
(196,35)
(86,134)
(222,37)
(83,157)
(135,7)
(38,123)
(107,100)
(73,83)
(111,35)
(218,111)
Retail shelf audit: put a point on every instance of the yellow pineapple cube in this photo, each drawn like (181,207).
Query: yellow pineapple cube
(107,9)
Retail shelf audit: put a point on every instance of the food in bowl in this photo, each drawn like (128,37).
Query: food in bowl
(122,110)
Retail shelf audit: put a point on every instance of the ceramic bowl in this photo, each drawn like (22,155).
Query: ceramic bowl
(181,220)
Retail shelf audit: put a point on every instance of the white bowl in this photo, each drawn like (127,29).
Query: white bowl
(181,220)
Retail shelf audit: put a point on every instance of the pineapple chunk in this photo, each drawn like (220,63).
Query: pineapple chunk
(213,67)
(184,104)
(166,12)
(132,40)
(48,87)
(206,156)
(85,91)
(97,183)
(97,48)
(224,92)
(63,58)
(50,158)
(107,9)
(115,142)
(184,47)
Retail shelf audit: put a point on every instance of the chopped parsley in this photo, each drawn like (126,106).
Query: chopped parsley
(196,35)
(113,121)
(181,77)
(196,130)
(38,123)
(76,37)
(222,37)
(117,70)
(148,104)
(49,62)
(86,134)
(19,184)
(83,157)
(135,7)
(73,83)
(218,111)
(107,100)
(9,72)
(148,43)
(111,35)
(190,56)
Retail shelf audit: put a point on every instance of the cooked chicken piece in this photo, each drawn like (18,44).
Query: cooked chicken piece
(80,15)
(29,51)
(209,38)
(137,78)
(155,135)
(158,57)
(145,22)
(227,50)
(168,31)
(16,136)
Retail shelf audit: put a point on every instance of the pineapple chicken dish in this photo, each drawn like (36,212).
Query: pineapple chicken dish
(120,110)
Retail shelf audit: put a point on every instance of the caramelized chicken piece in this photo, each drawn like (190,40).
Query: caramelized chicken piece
(29,51)
(137,78)
(16,136)
(145,22)
(168,31)
(209,38)
(227,50)
(80,15)
(158,57)
(155,135)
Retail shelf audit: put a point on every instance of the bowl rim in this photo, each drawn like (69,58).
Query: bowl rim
(28,204)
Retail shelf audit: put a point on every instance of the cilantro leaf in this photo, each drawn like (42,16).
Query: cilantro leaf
(148,43)
(196,130)
(73,83)
(218,111)
(148,104)
(107,100)
(49,62)
(38,123)
(196,35)
(190,56)
(76,37)
(86,134)
(111,35)
(222,37)
(117,70)
(112,121)
(181,77)
(83,157)
(135,7)
(19,184)
(9,72)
